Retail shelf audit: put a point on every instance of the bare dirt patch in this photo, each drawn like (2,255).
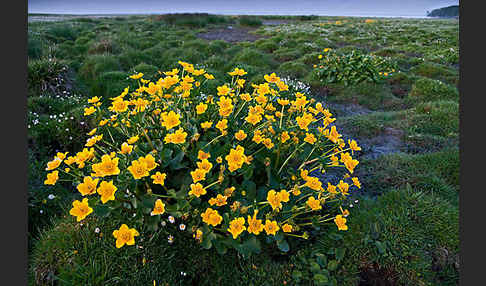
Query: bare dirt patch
(231,34)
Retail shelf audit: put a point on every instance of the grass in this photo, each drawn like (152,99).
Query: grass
(398,235)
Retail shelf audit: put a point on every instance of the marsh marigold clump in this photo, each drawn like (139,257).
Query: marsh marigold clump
(240,162)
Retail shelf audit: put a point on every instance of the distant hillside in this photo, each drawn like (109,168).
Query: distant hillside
(451,11)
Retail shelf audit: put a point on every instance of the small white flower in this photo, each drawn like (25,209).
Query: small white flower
(171,219)
(351,205)
(170,239)
(41,211)
(182,226)
(97,230)
(135,214)
(51,197)
(163,223)
(356,201)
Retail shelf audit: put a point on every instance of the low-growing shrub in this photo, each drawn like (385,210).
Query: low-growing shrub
(351,68)
(237,168)
(426,89)
(45,75)
(254,58)
(249,21)
(294,69)
(95,65)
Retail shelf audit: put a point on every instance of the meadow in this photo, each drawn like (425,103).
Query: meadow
(404,222)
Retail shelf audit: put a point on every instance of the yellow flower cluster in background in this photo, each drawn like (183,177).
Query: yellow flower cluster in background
(222,158)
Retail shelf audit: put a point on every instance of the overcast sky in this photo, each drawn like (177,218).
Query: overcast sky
(256,7)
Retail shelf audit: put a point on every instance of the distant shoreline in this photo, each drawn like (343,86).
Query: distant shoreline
(99,15)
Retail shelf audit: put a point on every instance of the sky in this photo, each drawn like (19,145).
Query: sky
(384,8)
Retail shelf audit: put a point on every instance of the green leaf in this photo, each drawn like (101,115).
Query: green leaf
(207,240)
(101,210)
(250,188)
(340,253)
(314,267)
(320,279)
(297,275)
(283,245)
(321,259)
(380,246)
(332,265)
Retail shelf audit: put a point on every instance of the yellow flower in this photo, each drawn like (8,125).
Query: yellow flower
(159,178)
(284,195)
(159,208)
(334,135)
(255,225)
(126,149)
(53,164)
(229,191)
(83,156)
(92,140)
(204,165)
(80,209)
(106,167)
(237,226)
(237,71)
(138,169)
(240,135)
(353,145)
(94,99)
(198,175)
(356,182)
(92,132)
(310,138)
(52,178)
(170,120)
(236,158)
(284,136)
(313,183)
(211,217)
(271,78)
(149,161)
(343,187)
(331,188)
(240,82)
(88,186)
(197,190)
(125,235)
(201,108)
(253,118)
(206,124)
(223,90)
(133,139)
(119,105)
(220,200)
(222,125)
(268,143)
(274,199)
(271,227)
(225,106)
(341,222)
(208,76)
(287,228)
(304,121)
(107,191)
(89,110)
(179,137)
(201,155)
(314,204)
(136,76)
